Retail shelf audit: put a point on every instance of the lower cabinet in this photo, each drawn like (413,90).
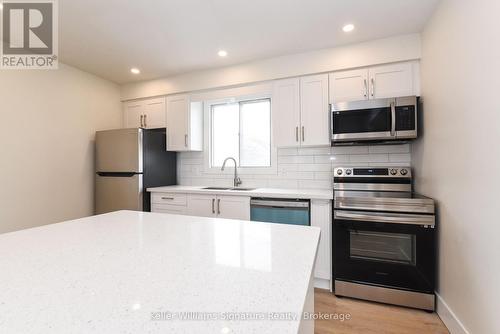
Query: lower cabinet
(321,216)
(230,207)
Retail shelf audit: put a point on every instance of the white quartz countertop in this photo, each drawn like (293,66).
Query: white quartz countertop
(258,192)
(135,272)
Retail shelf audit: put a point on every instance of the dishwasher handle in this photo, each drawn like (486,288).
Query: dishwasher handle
(280,204)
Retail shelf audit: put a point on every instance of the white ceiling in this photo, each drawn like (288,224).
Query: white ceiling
(168,37)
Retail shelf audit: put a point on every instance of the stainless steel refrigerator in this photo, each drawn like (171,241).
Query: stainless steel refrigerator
(128,161)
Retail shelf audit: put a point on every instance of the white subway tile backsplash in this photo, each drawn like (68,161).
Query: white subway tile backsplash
(400,157)
(350,150)
(404,148)
(287,151)
(296,159)
(315,151)
(315,167)
(310,167)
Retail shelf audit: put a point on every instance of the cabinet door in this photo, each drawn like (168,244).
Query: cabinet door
(391,80)
(171,209)
(349,86)
(155,113)
(177,120)
(233,207)
(132,112)
(286,112)
(314,113)
(201,205)
(321,213)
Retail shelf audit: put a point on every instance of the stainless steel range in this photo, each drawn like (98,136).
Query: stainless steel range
(384,241)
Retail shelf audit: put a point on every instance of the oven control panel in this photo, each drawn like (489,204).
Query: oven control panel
(401,172)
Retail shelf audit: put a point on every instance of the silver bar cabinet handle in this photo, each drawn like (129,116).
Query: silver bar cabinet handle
(186,140)
(303,136)
(218,206)
(213,205)
(366,89)
(145,121)
(142,124)
(297,133)
(373,87)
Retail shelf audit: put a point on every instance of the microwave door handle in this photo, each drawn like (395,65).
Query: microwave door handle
(393,119)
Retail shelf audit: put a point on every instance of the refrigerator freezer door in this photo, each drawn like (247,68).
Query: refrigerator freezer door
(114,192)
(119,151)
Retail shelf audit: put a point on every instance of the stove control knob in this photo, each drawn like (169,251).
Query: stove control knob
(339,171)
(404,172)
(348,172)
(393,171)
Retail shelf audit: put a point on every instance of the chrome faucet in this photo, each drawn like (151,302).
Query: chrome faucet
(237,180)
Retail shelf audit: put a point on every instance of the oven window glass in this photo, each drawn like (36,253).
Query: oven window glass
(358,121)
(385,247)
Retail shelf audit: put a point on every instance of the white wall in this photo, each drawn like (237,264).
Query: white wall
(394,49)
(48,120)
(306,168)
(457,161)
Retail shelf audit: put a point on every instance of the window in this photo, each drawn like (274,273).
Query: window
(241,130)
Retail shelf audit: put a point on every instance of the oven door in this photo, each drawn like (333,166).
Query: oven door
(382,249)
(363,120)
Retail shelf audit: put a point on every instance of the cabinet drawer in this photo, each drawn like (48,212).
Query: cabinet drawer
(166,208)
(169,198)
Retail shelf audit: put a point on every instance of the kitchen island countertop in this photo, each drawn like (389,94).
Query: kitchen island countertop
(135,272)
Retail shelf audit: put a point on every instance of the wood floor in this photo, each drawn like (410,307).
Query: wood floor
(372,318)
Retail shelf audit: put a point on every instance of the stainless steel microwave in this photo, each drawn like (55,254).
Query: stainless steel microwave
(374,120)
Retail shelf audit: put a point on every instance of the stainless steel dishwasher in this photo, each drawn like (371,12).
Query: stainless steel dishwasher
(280,210)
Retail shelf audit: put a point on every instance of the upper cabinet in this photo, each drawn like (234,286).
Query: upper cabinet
(148,113)
(314,113)
(185,124)
(300,111)
(349,85)
(375,82)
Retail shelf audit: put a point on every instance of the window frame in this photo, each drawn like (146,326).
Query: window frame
(207,115)
(240,103)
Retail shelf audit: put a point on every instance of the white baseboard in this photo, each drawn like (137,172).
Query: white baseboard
(321,283)
(449,318)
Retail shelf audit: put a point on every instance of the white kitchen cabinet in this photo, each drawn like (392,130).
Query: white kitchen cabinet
(148,113)
(133,112)
(221,206)
(314,113)
(321,216)
(172,209)
(201,205)
(300,111)
(392,80)
(233,207)
(286,112)
(185,124)
(349,85)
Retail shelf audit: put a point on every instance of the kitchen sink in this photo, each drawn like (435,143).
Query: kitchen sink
(242,189)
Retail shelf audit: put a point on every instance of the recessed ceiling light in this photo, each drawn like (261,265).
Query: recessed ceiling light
(222,53)
(135,70)
(1,6)
(348,27)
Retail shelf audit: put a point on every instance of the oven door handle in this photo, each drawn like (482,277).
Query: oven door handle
(390,218)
